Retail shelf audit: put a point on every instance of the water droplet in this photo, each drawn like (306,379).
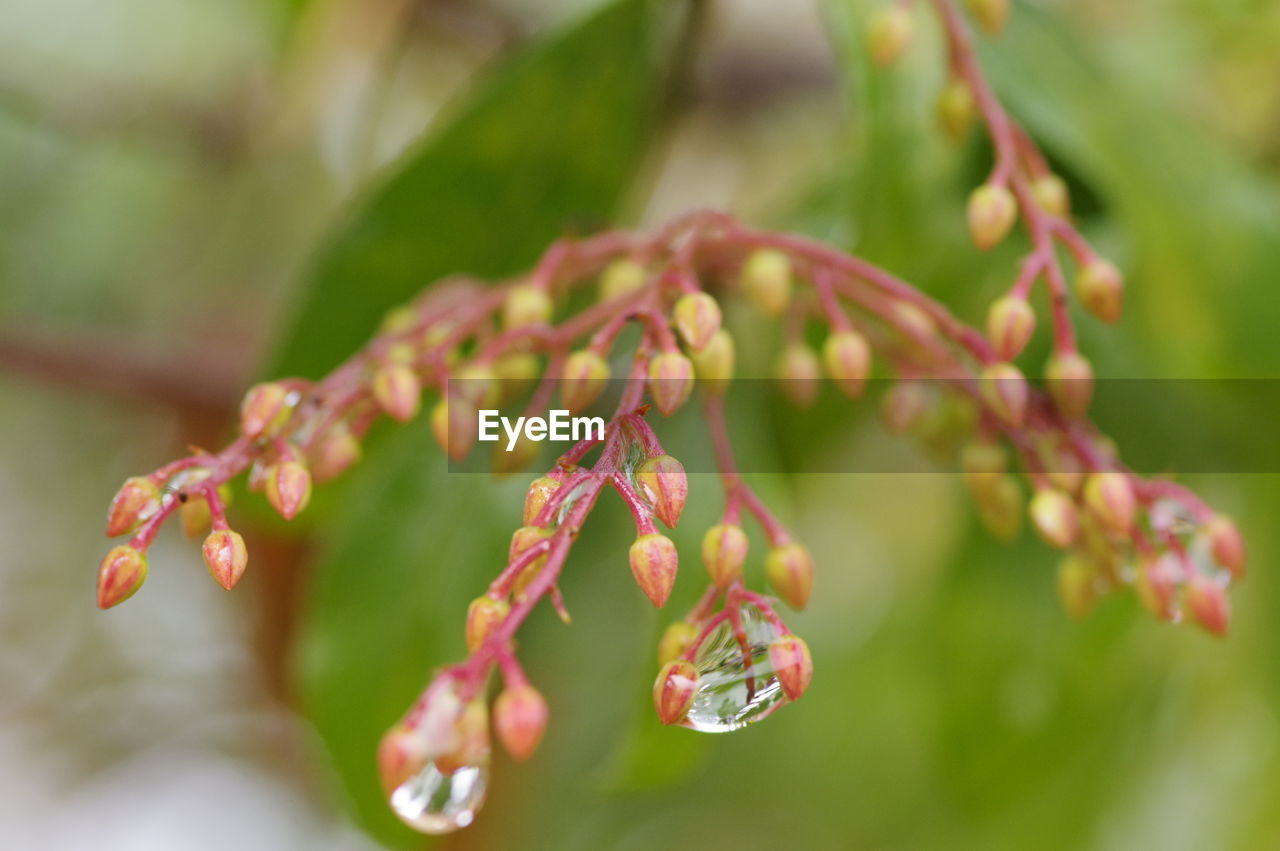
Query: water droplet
(434,802)
(732,691)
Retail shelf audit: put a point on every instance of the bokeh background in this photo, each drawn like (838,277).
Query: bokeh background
(194,194)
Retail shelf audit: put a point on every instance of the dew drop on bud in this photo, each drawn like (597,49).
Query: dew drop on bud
(736,687)
(434,802)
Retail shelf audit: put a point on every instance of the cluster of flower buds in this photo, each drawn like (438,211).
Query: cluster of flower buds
(731,660)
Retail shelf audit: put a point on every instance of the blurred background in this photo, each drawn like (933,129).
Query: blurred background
(195,194)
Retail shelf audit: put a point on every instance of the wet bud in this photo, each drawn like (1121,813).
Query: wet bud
(1010,323)
(288,488)
(1157,585)
(402,754)
(524,538)
(1069,379)
(483,617)
(1110,497)
(526,304)
(1208,604)
(520,717)
(1004,389)
(848,360)
(225,556)
(697,317)
(675,640)
(992,211)
(334,453)
(904,405)
(1050,192)
(1000,508)
(674,690)
(136,500)
(454,425)
(984,464)
(654,563)
(1055,517)
(621,277)
(792,664)
(713,364)
(766,279)
(724,552)
(1101,289)
(888,34)
(584,377)
(540,490)
(663,483)
(397,391)
(670,381)
(955,109)
(1226,543)
(472,735)
(799,373)
(120,575)
(790,571)
(263,409)
(990,14)
(1076,586)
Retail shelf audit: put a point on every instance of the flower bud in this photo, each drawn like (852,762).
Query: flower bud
(670,381)
(1055,517)
(472,733)
(540,490)
(397,391)
(1110,497)
(136,500)
(713,364)
(1208,604)
(1004,389)
(402,754)
(526,304)
(519,456)
(1157,585)
(653,563)
(674,690)
(792,664)
(766,279)
(888,34)
(1069,379)
(790,571)
(799,373)
(476,385)
(1010,323)
(520,717)
(955,109)
(483,616)
(1101,289)
(1226,544)
(455,426)
(992,211)
(195,516)
(225,556)
(621,277)
(334,453)
(524,538)
(1050,192)
(583,380)
(848,360)
(697,317)
(263,409)
(990,14)
(675,640)
(984,464)
(663,483)
(120,575)
(724,552)
(904,405)
(1000,508)
(514,371)
(288,488)
(1076,586)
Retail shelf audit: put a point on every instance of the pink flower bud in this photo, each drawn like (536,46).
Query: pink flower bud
(799,374)
(1055,517)
(225,556)
(397,391)
(1208,604)
(483,617)
(697,318)
(992,212)
(136,500)
(670,381)
(790,571)
(956,109)
(724,551)
(1010,323)
(263,409)
(1101,289)
(520,717)
(653,563)
(1157,584)
(713,364)
(1069,378)
(848,360)
(288,488)
(792,664)
(990,14)
(1110,497)
(1050,192)
(620,278)
(402,754)
(663,483)
(674,690)
(583,380)
(1004,389)
(888,33)
(766,279)
(526,304)
(1076,586)
(540,490)
(334,453)
(675,640)
(1226,544)
(120,575)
